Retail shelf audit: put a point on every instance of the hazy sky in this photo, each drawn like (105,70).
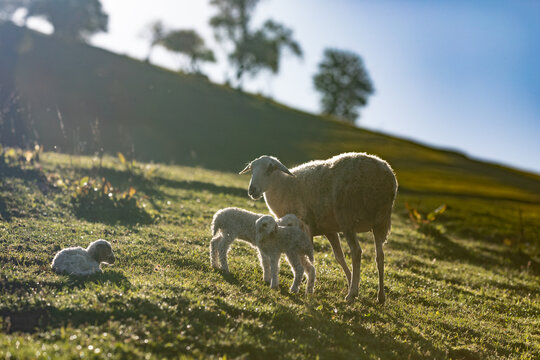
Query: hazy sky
(458,74)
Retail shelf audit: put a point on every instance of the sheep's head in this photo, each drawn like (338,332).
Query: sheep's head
(101,251)
(264,226)
(261,170)
(293,220)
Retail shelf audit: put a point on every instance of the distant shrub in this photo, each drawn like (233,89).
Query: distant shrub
(98,200)
(425,223)
(15,157)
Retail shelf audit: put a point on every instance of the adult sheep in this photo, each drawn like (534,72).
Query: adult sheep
(349,193)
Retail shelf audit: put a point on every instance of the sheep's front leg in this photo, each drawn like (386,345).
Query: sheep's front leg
(214,245)
(333,238)
(274,271)
(298,270)
(265,264)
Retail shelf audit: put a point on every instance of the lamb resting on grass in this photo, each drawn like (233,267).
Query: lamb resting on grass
(273,240)
(79,261)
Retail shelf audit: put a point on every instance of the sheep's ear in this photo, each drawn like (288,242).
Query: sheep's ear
(246,169)
(283,168)
(103,251)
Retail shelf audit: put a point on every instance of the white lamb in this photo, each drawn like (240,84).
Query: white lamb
(79,261)
(229,224)
(273,240)
(293,220)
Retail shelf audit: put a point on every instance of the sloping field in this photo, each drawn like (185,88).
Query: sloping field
(449,295)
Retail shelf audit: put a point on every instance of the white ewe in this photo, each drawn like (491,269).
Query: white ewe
(273,240)
(79,261)
(352,192)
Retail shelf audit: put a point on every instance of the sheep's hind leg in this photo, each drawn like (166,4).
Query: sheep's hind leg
(356,252)
(214,245)
(224,249)
(298,270)
(333,238)
(380,234)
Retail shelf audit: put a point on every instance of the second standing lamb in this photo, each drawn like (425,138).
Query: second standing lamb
(273,240)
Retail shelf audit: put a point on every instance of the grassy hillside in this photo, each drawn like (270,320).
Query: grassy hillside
(449,295)
(169,117)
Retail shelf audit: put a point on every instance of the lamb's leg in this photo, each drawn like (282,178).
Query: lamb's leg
(310,273)
(214,245)
(223,249)
(265,264)
(333,238)
(380,233)
(298,270)
(274,271)
(356,252)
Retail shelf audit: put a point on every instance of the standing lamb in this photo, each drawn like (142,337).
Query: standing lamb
(293,220)
(79,261)
(273,240)
(229,224)
(351,192)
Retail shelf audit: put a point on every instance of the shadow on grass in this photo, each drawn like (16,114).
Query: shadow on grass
(446,248)
(202,186)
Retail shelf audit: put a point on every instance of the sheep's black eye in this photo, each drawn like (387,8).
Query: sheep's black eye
(269,169)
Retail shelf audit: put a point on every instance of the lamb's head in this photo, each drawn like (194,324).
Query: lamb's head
(101,251)
(264,226)
(261,170)
(293,220)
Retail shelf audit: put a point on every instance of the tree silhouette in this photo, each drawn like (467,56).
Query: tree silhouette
(189,43)
(73,20)
(156,32)
(344,83)
(250,50)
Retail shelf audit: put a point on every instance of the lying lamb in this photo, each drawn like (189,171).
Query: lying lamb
(79,261)
(273,240)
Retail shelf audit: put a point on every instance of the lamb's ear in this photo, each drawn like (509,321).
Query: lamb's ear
(282,168)
(103,251)
(246,169)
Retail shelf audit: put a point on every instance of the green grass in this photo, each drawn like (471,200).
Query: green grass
(455,292)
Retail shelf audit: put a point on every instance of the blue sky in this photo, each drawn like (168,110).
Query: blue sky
(457,74)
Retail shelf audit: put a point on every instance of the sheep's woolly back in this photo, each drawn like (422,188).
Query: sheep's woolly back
(235,221)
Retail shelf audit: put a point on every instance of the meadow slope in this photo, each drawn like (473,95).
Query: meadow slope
(454,290)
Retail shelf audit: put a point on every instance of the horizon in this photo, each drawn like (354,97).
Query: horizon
(485,71)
